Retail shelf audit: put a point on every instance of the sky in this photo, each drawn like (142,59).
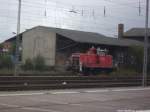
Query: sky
(101,16)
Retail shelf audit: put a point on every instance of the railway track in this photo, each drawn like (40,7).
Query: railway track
(65,82)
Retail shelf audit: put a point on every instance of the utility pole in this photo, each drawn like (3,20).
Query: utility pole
(139,8)
(144,82)
(17,39)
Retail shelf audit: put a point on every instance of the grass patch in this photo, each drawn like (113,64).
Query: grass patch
(6,72)
(125,72)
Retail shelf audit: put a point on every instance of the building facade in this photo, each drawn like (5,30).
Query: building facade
(39,42)
(56,45)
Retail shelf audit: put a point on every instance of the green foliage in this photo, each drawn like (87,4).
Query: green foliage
(28,65)
(124,72)
(39,63)
(6,62)
(13,48)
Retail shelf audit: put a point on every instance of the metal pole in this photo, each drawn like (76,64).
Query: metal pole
(144,82)
(17,39)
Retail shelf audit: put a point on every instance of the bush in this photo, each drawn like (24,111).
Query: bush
(124,72)
(39,63)
(28,65)
(6,62)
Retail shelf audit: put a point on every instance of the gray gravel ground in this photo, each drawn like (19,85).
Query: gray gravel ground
(77,100)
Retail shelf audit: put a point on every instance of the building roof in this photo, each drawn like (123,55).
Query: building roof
(88,37)
(136,32)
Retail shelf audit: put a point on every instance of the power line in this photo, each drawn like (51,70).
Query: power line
(40,14)
(139,8)
(67,19)
(122,4)
(33,13)
(76,20)
(68,5)
(80,11)
(36,20)
(42,7)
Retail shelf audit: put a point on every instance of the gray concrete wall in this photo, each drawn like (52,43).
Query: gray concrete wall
(39,41)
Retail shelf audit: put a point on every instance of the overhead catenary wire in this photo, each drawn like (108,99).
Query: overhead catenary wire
(67,19)
(37,20)
(79,8)
(33,13)
(104,11)
(123,4)
(51,16)
(109,1)
(139,8)
(82,12)
(63,9)
(42,4)
(45,8)
(83,25)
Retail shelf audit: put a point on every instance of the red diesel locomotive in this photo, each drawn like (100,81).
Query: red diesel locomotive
(92,62)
